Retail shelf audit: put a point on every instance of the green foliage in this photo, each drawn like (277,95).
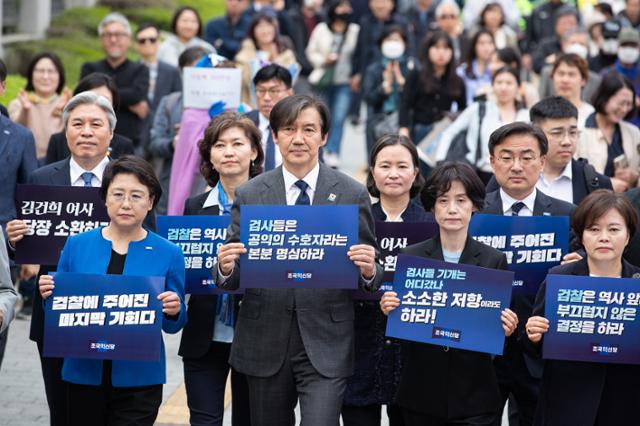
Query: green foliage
(13,85)
(206,8)
(78,19)
(152,15)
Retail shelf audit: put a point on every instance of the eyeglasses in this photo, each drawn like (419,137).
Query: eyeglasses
(42,72)
(114,35)
(559,134)
(273,92)
(143,40)
(525,160)
(120,197)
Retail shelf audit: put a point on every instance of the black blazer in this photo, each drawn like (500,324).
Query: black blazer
(576,393)
(198,332)
(632,253)
(58,149)
(523,305)
(58,174)
(444,382)
(584,180)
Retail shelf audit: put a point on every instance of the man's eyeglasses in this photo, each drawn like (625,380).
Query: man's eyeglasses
(114,35)
(273,92)
(509,160)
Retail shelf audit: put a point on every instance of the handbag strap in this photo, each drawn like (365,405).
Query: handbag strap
(482,109)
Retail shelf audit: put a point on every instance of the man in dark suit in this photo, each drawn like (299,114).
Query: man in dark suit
(562,177)
(132,78)
(18,154)
(89,121)
(517,154)
(163,78)
(297,343)
(272,83)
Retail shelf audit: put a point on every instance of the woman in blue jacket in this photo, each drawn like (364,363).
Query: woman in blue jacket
(123,392)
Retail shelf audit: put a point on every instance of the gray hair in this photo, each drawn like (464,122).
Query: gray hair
(89,98)
(114,17)
(573,31)
(450,3)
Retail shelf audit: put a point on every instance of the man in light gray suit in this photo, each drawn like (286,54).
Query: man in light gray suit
(298,343)
(8,296)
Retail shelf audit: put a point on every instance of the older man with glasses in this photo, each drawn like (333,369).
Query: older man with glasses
(132,78)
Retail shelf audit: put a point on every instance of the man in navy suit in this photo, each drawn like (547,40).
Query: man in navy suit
(163,78)
(518,154)
(18,160)
(273,83)
(89,121)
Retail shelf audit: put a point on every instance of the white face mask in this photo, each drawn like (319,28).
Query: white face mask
(578,49)
(609,46)
(628,55)
(392,49)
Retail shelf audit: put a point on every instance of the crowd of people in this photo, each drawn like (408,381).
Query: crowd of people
(503,107)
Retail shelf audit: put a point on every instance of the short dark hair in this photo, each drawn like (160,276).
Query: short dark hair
(273,72)
(56,63)
(387,30)
(287,110)
(98,79)
(191,55)
(221,123)
(146,26)
(565,10)
(440,179)
(510,57)
(506,70)
(597,204)
(132,165)
(518,128)
(552,107)
(391,140)
(180,11)
(609,86)
(572,60)
(3,71)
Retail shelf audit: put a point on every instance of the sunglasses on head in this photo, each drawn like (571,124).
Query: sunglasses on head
(144,40)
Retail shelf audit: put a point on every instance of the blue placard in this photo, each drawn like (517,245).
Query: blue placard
(199,238)
(298,246)
(449,304)
(592,319)
(104,317)
(391,237)
(533,244)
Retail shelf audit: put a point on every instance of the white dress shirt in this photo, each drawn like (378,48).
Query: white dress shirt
(508,201)
(293,191)
(76,172)
(263,125)
(561,187)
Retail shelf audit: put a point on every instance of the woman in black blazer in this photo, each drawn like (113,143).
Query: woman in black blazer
(394,178)
(590,393)
(231,154)
(440,385)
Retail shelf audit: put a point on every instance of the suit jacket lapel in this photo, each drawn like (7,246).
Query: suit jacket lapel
(275,192)
(493,203)
(433,249)
(62,176)
(324,195)
(541,205)
(577,182)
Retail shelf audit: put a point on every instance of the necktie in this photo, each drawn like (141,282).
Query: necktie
(303,198)
(270,154)
(516,207)
(86,178)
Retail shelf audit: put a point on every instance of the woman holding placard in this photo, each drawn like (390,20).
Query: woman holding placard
(394,178)
(438,384)
(106,392)
(230,155)
(590,393)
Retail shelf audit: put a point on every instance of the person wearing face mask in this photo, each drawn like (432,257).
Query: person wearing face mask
(330,50)
(384,84)
(608,46)
(627,62)
(574,41)
(611,144)
(564,20)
